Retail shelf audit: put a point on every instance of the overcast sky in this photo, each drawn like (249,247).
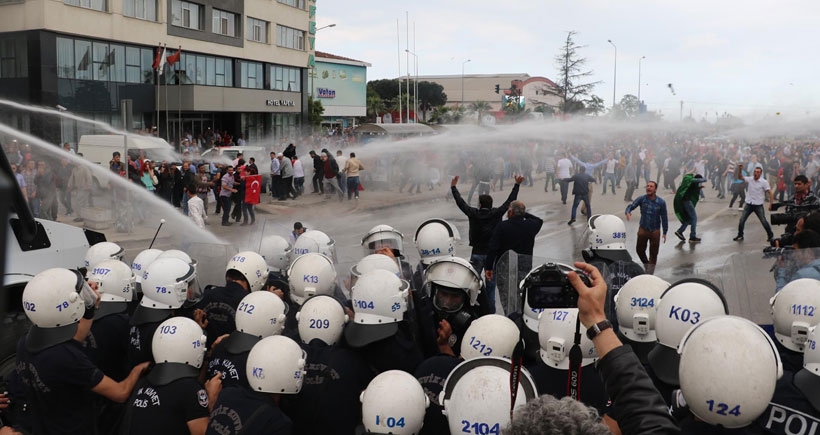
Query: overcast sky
(751,58)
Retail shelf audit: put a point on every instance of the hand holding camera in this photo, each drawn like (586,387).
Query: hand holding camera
(591,290)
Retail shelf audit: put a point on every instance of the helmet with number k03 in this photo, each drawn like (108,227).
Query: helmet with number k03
(808,379)
(379,301)
(317,242)
(556,335)
(252,266)
(490,335)
(383,236)
(436,238)
(683,305)
(168,283)
(277,252)
(636,306)
(321,317)
(141,262)
(276,364)
(102,251)
(795,309)
(261,314)
(114,279)
(53,302)
(179,340)
(476,395)
(728,370)
(394,403)
(311,274)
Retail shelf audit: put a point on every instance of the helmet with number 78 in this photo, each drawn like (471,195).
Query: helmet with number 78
(394,402)
(793,310)
(252,266)
(168,283)
(311,274)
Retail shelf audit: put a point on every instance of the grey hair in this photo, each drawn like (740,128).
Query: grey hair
(547,415)
(518,208)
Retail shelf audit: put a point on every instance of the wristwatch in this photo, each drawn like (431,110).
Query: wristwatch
(597,328)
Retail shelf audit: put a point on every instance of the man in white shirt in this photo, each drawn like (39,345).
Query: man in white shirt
(562,173)
(609,174)
(196,207)
(757,189)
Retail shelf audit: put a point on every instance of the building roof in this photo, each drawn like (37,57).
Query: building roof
(323,55)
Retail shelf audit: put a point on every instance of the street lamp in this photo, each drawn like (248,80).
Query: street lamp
(639,78)
(462,80)
(312,72)
(325,27)
(415,86)
(615,71)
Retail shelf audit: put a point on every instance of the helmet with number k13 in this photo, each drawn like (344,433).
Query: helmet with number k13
(321,317)
(636,306)
(556,335)
(252,266)
(394,403)
(311,274)
(796,308)
(379,301)
(179,340)
(490,335)
(276,364)
(261,314)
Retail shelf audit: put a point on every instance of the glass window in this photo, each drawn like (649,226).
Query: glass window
(100,61)
(295,3)
(98,5)
(142,9)
(186,14)
(224,23)
(200,70)
(147,65)
(251,75)
(189,70)
(210,71)
(290,38)
(132,65)
(285,78)
(257,30)
(8,60)
(116,66)
(65,58)
(82,59)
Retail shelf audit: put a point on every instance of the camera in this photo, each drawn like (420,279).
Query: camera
(547,286)
(774,252)
(793,212)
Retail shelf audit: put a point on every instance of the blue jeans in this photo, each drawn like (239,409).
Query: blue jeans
(757,210)
(248,209)
(185,203)
(352,187)
(693,220)
(226,209)
(611,178)
(477,260)
(34,205)
(577,200)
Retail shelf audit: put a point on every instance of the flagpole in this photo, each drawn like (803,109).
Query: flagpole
(179,99)
(167,121)
(156,87)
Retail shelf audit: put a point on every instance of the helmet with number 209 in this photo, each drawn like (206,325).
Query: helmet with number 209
(793,310)
(311,274)
(321,317)
(252,266)
(394,402)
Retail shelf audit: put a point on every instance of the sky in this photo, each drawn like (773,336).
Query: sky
(750,58)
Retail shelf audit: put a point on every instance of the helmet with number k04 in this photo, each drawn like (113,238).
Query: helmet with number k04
(321,317)
(476,395)
(728,370)
(252,266)
(394,403)
(276,364)
(261,314)
(636,306)
(795,309)
(436,238)
(490,335)
(317,242)
(102,251)
(379,301)
(179,340)
(683,305)
(556,335)
(311,274)
(277,251)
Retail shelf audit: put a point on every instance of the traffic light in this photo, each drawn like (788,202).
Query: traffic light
(496,89)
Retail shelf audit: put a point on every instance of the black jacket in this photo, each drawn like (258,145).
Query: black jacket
(483,220)
(514,234)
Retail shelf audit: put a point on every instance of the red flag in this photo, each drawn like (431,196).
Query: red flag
(174,58)
(253,189)
(158,57)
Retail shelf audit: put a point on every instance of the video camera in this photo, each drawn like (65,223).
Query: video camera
(793,212)
(547,286)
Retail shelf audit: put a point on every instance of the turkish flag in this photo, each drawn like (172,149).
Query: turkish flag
(253,188)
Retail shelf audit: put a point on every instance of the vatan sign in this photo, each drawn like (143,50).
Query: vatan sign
(325,93)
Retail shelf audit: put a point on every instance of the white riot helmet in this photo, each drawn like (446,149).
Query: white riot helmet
(636,307)
(321,317)
(394,402)
(556,335)
(261,314)
(436,238)
(176,253)
(316,242)
(793,310)
(252,266)
(115,281)
(455,275)
(728,370)
(531,316)
(383,236)
(277,252)
(607,237)
(276,364)
(311,274)
(168,283)
(478,391)
(54,300)
(379,301)
(490,335)
(808,379)
(102,251)
(141,262)
(179,340)
(373,262)
(683,305)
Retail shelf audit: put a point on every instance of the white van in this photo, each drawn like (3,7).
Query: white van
(99,149)
(228,154)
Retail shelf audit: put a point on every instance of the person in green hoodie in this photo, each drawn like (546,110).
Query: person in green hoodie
(686,198)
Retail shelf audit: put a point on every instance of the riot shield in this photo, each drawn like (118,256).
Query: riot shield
(510,269)
(344,276)
(212,260)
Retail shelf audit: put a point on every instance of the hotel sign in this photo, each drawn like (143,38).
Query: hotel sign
(280,103)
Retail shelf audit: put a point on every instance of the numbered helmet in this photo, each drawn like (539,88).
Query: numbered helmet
(728,370)
(252,266)
(373,262)
(115,281)
(313,241)
(435,239)
(102,251)
(383,236)
(321,317)
(808,379)
(379,302)
(636,307)
(531,316)
(261,314)
(454,277)
(277,251)
(394,402)
(556,335)
(607,237)
(54,300)
(176,253)
(141,263)
(168,283)
(179,340)
(683,305)
(276,364)
(476,395)
(311,274)
(793,310)
(490,335)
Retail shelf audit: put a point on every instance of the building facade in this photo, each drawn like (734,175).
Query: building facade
(230,65)
(340,84)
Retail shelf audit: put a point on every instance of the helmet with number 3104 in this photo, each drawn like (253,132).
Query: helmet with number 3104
(311,274)
(379,301)
(394,402)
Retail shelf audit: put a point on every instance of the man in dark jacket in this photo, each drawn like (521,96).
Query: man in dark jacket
(516,234)
(482,223)
(580,192)
(318,170)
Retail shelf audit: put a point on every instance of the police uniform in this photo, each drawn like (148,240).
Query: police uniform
(144,323)
(239,410)
(230,358)
(107,347)
(554,382)
(641,349)
(164,401)
(396,352)
(220,304)
(431,374)
(329,400)
(792,361)
(790,411)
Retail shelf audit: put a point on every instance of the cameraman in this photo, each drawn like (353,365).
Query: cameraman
(803,261)
(803,197)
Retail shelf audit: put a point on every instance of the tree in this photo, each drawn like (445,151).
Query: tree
(375,106)
(571,87)
(627,107)
(595,105)
(315,111)
(441,115)
(387,89)
(480,107)
(431,95)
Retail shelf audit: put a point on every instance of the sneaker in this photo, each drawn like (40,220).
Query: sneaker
(226,224)
(738,238)
(694,240)
(571,221)
(680,236)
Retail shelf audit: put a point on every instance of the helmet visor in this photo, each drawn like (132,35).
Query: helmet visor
(193,289)
(448,299)
(392,244)
(89,295)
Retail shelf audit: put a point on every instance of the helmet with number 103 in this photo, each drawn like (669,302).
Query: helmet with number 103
(179,340)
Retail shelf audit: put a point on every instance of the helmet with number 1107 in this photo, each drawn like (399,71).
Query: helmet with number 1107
(169,283)
(311,274)
(394,403)
(102,251)
(276,365)
(252,266)
(179,340)
(436,238)
(383,236)
(793,310)
(277,251)
(313,241)
(636,306)
(490,335)
(261,314)
(379,302)
(556,335)
(321,317)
